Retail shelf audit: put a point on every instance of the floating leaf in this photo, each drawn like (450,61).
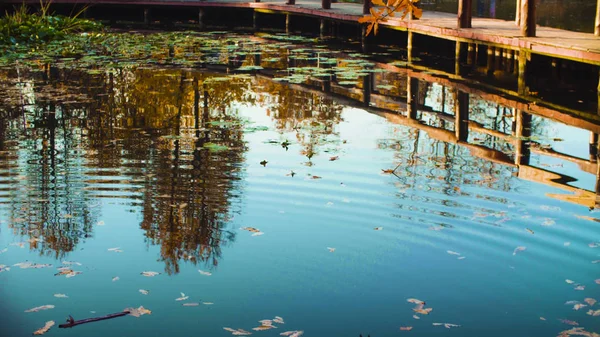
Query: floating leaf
(415,301)
(191,304)
(590,301)
(593,313)
(569,281)
(150,273)
(278,320)
(542,318)
(207,303)
(406,328)
(331,250)
(100,223)
(137,312)
(250,229)
(580,287)
(378,228)
(144,292)
(461,257)
(116,278)
(334,158)
(182,298)
(207,273)
(452,252)
(566,321)
(387,171)
(43,307)
(519,249)
(530,231)
(263,327)
(579,306)
(44,329)
(257,234)
(423,311)
(61,296)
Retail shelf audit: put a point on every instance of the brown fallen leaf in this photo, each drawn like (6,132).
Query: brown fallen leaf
(387,171)
(406,328)
(250,229)
(315,177)
(378,228)
(44,329)
(423,311)
(415,301)
(590,301)
(593,313)
(334,158)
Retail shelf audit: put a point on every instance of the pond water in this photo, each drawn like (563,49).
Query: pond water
(253,194)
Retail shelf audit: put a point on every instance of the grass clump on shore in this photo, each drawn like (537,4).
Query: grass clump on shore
(30,29)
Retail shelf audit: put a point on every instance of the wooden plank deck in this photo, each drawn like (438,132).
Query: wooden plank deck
(580,47)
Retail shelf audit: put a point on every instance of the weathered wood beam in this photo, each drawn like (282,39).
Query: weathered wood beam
(464,13)
(528,18)
(597,23)
(326,4)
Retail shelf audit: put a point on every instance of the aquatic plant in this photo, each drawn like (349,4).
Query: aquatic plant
(23,27)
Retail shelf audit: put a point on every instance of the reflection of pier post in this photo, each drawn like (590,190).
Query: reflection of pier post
(490,61)
(522,131)
(288,22)
(412,97)
(367,88)
(147,17)
(461,115)
(323,29)
(409,47)
(457,56)
(201,19)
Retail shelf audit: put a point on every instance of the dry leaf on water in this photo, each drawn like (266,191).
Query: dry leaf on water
(204,272)
(415,301)
(569,281)
(116,278)
(331,250)
(542,319)
(597,281)
(192,304)
(278,320)
(416,317)
(144,291)
(378,228)
(387,171)
(406,328)
(579,306)
(519,249)
(590,301)
(566,321)
(116,250)
(44,329)
(137,312)
(263,327)
(207,303)
(251,229)
(452,252)
(61,296)
(293,333)
(579,287)
(334,158)
(593,313)
(423,311)
(150,273)
(530,231)
(182,298)
(43,307)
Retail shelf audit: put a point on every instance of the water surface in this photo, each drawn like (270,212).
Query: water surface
(117,171)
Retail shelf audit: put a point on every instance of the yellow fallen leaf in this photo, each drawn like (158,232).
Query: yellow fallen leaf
(44,329)
(263,327)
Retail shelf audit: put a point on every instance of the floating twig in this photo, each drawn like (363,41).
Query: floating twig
(71,322)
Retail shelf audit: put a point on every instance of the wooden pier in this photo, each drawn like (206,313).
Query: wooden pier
(521,36)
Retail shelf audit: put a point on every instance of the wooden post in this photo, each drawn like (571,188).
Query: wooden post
(518,14)
(498,58)
(366,7)
(409,47)
(412,97)
(287,23)
(528,18)
(364,39)
(490,61)
(457,56)
(522,84)
(522,135)
(597,24)
(147,16)
(464,13)
(326,4)
(461,113)
(471,54)
(291,2)
(201,18)
(323,29)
